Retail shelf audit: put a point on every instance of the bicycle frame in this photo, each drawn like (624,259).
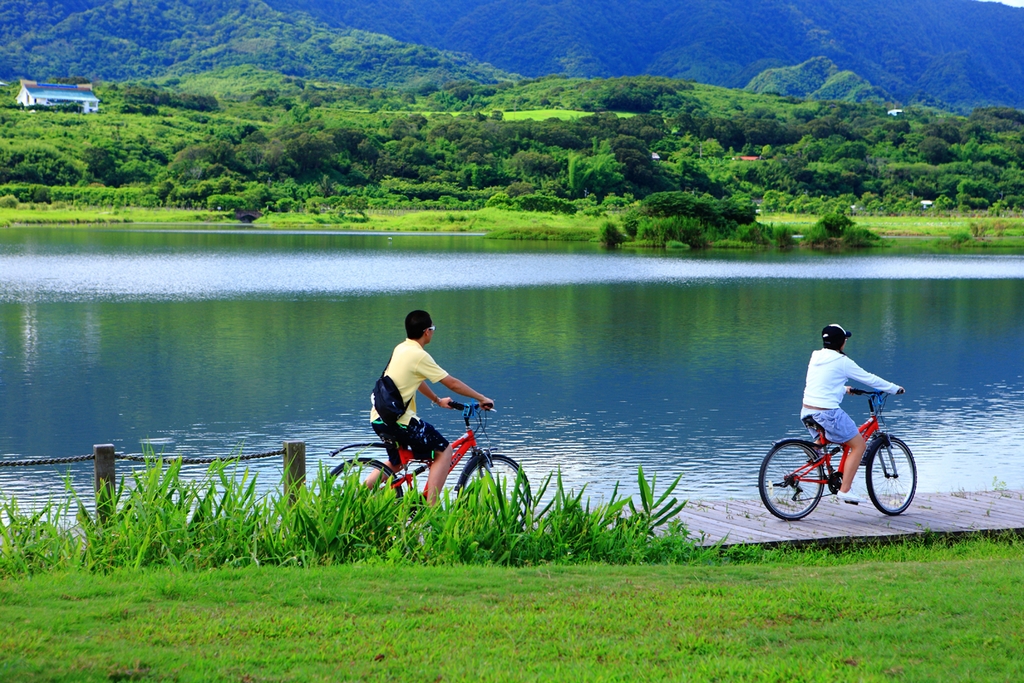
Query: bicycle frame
(460,447)
(870,427)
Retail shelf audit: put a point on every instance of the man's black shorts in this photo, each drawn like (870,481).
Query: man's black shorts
(420,437)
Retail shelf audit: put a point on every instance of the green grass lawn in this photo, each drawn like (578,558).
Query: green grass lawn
(483,220)
(543,114)
(911,612)
(910,226)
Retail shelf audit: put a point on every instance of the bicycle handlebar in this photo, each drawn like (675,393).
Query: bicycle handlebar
(862,392)
(468,410)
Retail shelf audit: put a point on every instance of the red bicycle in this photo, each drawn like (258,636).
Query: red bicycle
(481,463)
(795,472)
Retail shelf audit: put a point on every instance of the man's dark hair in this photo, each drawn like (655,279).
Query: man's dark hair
(416,323)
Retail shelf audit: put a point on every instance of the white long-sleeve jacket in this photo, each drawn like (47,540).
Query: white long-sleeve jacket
(826,379)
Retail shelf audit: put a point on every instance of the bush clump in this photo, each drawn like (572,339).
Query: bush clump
(658,232)
(610,236)
(835,230)
(782,236)
(159,518)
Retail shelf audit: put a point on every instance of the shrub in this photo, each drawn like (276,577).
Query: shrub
(858,236)
(539,202)
(1000,227)
(782,236)
(752,234)
(675,244)
(630,222)
(8,201)
(41,194)
(978,230)
(500,200)
(829,230)
(834,224)
(816,236)
(610,235)
(960,237)
(657,232)
(224,202)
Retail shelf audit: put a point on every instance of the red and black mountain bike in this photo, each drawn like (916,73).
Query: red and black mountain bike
(481,463)
(795,471)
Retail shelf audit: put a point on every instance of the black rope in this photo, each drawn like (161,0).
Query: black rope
(46,461)
(137,458)
(198,461)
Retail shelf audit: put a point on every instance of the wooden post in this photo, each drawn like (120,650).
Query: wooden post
(106,479)
(294,467)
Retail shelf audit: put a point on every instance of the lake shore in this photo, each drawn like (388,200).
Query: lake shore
(938,234)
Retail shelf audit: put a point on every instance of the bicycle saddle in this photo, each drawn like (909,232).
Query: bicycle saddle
(811,423)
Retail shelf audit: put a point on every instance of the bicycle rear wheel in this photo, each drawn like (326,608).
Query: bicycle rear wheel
(502,469)
(891,474)
(789,484)
(369,470)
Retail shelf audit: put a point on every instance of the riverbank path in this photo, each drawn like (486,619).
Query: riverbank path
(745,522)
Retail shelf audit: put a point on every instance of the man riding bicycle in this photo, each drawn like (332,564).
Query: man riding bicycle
(827,373)
(410,368)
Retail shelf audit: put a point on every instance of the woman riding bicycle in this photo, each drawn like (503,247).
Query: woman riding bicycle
(827,373)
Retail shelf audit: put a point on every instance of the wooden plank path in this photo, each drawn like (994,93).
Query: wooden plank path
(739,522)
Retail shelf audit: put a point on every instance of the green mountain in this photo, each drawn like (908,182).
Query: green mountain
(962,53)
(958,54)
(816,79)
(131,39)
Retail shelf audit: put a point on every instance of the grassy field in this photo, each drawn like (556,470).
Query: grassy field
(562,114)
(911,226)
(483,220)
(920,612)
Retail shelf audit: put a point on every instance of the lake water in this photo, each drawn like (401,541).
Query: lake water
(208,343)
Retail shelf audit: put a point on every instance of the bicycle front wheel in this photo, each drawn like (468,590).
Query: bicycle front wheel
(891,474)
(504,470)
(789,482)
(372,473)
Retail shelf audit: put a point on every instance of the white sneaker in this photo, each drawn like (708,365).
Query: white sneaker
(850,498)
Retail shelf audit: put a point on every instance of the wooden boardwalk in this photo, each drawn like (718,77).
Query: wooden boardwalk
(738,522)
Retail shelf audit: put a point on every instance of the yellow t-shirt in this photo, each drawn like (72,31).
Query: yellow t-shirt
(409,366)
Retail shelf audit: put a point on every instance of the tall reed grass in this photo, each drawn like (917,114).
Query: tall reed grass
(159,518)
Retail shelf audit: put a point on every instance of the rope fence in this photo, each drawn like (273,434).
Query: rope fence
(138,457)
(104,458)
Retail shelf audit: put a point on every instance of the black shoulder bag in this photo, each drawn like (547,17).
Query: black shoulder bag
(387,399)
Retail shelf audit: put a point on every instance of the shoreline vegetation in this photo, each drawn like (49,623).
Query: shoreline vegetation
(203,579)
(926,232)
(667,163)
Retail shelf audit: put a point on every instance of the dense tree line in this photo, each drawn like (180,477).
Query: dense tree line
(307,147)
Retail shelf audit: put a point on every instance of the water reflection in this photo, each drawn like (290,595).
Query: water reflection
(207,345)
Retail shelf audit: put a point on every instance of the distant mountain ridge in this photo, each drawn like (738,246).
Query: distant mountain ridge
(131,39)
(960,52)
(955,53)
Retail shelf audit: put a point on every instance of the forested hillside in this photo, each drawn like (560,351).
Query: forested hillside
(281,143)
(817,79)
(122,39)
(959,52)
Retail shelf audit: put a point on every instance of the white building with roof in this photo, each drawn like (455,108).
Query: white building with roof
(35,94)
